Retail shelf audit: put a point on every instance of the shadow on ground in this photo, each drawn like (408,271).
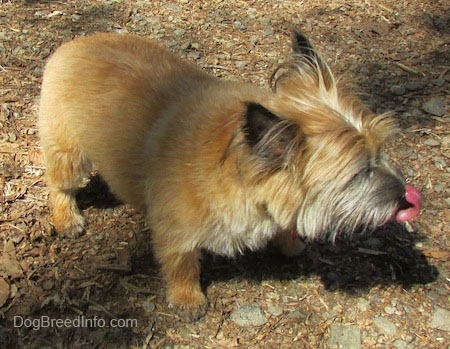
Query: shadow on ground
(387,256)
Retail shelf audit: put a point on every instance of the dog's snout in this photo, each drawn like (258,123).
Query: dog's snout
(403,204)
(409,204)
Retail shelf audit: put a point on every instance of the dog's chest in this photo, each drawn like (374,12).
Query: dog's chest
(233,235)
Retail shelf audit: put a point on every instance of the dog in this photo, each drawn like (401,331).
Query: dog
(215,165)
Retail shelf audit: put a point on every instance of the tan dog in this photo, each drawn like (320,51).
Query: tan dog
(215,165)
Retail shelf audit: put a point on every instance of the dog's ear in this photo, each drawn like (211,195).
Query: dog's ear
(303,48)
(271,137)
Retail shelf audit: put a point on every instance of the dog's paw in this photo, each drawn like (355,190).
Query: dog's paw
(71,228)
(190,307)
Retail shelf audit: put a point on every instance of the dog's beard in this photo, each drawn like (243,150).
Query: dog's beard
(363,205)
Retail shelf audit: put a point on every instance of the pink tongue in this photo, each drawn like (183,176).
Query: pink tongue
(412,195)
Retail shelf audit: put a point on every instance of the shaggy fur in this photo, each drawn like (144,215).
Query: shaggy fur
(216,165)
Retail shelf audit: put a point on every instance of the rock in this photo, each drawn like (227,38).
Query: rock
(386,326)
(149,307)
(241,64)
(10,266)
(179,32)
(275,311)
(414,85)
(434,106)
(268,32)
(439,82)
(194,55)
(439,162)
(363,304)
(438,188)
(12,137)
(398,90)
(185,46)
(48,285)
(441,320)
(248,315)
(4,291)
(445,141)
(432,142)
(54,14)
(400,344)
(345,336)
(254,39)
(389,310)
(239,26)
(297,316)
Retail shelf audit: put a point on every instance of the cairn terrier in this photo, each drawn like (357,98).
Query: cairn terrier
(216,165)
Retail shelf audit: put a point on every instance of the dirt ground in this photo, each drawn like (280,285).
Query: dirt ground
(387,290)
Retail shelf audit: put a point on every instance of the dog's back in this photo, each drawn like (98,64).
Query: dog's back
(101,96)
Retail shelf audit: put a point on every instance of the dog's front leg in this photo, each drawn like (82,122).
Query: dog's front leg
(289,243)
(182,274)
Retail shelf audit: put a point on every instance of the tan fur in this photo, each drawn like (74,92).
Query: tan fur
(170,140)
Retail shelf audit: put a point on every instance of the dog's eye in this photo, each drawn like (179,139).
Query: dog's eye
(358,176)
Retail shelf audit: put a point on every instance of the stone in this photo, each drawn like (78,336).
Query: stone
(363,304)
(275,311)
(398,90)
(441,319)
(434,106)
(179,32)
(432,142)
(414,85)
(4,291)
(48,285)
(248,315)
(345,336)
(389,310)
(386,326)
(149,307)
(400,344)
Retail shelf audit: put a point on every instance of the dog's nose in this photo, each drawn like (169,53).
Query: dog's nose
(409,205)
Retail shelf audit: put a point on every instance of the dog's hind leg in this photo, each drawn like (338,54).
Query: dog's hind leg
(67,169)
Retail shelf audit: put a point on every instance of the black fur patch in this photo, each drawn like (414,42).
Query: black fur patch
(259,121)
(269,135)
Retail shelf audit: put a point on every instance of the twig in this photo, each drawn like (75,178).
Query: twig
(372,252)
(114,267)
(408,69)
(218,67)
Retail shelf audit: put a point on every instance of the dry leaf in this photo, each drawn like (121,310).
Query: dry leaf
(9,247)
(35,156)
(9,266)
(436,254)
(4,291)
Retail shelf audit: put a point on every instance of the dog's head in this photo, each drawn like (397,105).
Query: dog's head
(314,154)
